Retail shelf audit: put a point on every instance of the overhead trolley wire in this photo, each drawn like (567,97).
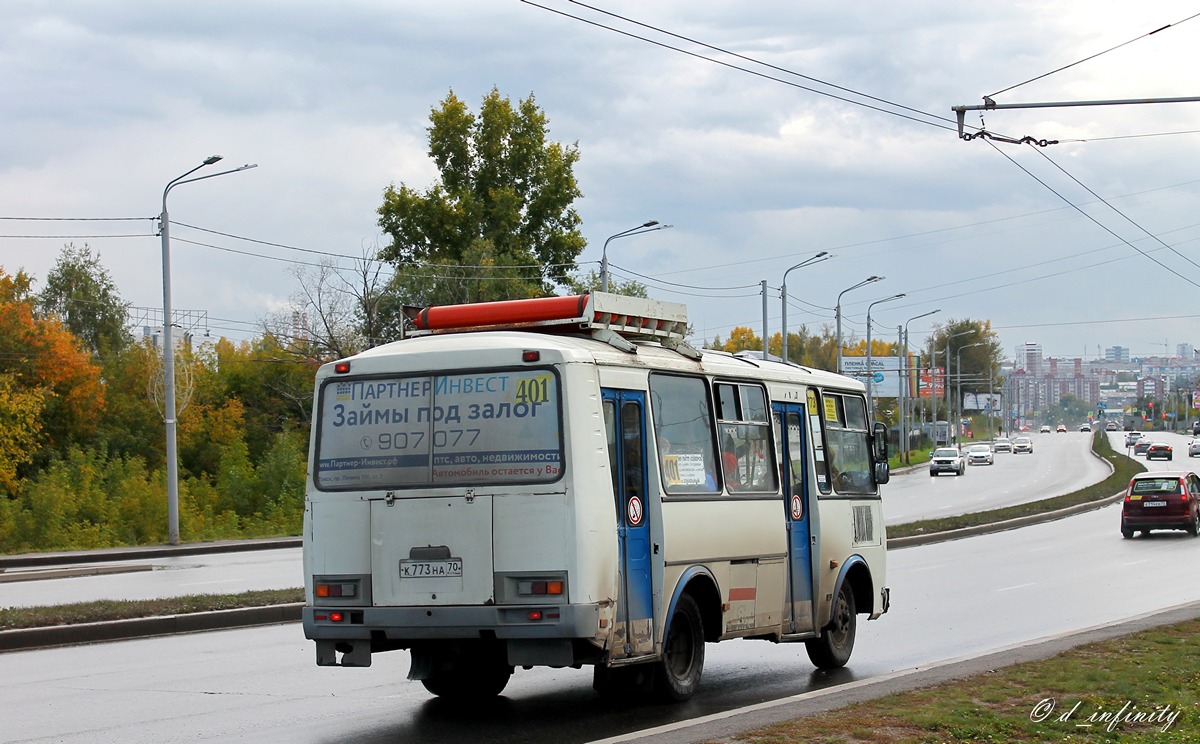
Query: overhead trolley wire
(756,73)
(1089,58)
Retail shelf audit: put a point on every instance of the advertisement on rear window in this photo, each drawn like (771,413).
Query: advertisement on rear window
(474,428)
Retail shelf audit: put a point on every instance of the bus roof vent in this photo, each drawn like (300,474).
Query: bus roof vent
(627,317)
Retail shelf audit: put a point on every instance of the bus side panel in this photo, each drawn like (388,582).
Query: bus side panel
(841,537)
(335,543)
(728,536)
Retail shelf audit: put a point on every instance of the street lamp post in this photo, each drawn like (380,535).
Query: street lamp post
(645,227)
(904,425)
(871,372)
(169,347)
(783,294)
(838,314)
(958,374)
(946,385)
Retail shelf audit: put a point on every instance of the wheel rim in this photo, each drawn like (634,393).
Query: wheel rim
(840,630)
(680,645)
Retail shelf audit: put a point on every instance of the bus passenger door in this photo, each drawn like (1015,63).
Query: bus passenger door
(624,420)
(789,423)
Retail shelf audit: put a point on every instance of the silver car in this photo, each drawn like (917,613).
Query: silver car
(980,454)
(947,460)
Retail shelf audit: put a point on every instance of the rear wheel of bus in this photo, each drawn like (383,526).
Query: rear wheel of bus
(468,672)
(682,662)
(832,649)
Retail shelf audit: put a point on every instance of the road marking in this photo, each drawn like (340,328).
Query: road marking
(1018,586)
(1134,563)
(222,581)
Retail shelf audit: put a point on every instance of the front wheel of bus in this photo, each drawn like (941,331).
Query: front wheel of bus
(832,649)
(683,652)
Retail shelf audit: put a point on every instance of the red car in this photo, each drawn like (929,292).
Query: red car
(1159,451)
(1161,500)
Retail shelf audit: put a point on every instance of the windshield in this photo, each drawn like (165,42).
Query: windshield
(946,452)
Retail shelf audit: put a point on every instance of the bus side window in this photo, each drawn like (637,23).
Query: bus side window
(631,440)
(748,459)
(681,408)
(848,445)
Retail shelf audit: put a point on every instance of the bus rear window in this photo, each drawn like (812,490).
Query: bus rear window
(482,427)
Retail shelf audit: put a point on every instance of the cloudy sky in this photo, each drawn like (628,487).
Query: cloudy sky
(763,132)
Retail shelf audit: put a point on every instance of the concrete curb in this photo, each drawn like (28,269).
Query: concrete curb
(895,543)
(143,627)
(1010,524)
(33,560)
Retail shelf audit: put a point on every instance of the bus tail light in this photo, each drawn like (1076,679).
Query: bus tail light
(540,588)
(341,368)
(339,590)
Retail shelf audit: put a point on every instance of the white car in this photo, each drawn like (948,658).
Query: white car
(1002,444)
(980,454)
(1133,437)
(947,460)
(1045,429)
(1194,448)
(1022,444)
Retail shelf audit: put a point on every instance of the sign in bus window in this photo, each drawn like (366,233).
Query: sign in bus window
(470,428)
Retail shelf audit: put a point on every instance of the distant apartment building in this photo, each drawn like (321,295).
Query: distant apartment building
(1186,352)
(1038,383)
(1029,358)
(1116,354)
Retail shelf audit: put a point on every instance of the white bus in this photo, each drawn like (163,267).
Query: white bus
(565,482)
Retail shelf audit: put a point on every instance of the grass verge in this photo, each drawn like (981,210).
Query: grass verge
(1143,687)
(1124,468)
(12,618)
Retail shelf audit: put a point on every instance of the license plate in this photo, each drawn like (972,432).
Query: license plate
(1154,503)
(442,569)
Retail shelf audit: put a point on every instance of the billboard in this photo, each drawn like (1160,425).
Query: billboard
(885,382)
(982,402)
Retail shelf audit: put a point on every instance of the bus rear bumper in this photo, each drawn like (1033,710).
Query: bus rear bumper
(541,636)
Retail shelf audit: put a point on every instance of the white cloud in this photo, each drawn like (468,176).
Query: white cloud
(332,101)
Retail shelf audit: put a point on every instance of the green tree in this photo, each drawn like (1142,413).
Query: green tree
(498,224)
(81,293)
(590,282)
(980,354)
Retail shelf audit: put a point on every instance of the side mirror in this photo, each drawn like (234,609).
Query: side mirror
(883,473)
(880,443)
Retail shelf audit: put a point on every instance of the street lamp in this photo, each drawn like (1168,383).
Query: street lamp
(783,293)
(871,372)
(904,425)
(645,227)
(838,314)
(958,373)
(169,347)
(946,385)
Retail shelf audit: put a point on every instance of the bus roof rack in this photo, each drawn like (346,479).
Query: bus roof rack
(612,318)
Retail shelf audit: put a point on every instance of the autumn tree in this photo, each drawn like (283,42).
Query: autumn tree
(20,424)
(41,354)
(80,292)
(740,338)
(498,224)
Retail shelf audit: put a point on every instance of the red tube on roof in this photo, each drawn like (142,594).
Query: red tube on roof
(505,312)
